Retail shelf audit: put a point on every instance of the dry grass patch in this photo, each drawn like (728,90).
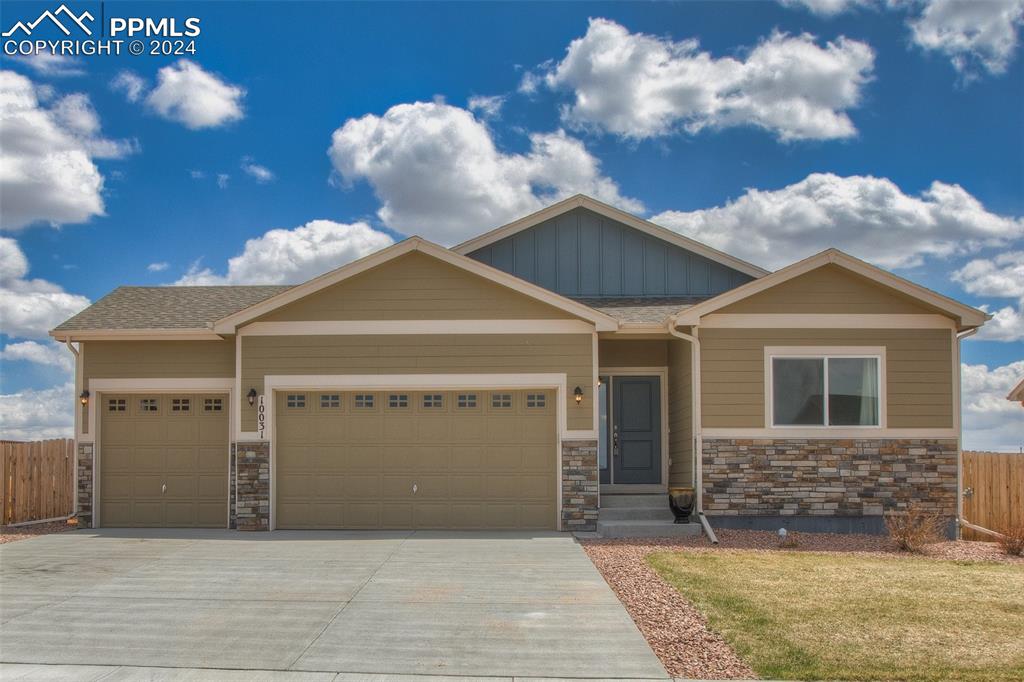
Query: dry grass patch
(801,615)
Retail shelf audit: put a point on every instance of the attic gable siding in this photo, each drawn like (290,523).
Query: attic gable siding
(582,253)
(415,287)
(829,290)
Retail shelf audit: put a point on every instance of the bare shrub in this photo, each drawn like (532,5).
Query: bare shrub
(1012,540)
(914,528)
(790,541)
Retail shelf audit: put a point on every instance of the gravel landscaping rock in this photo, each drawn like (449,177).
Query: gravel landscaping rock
(676,630)
(13,533)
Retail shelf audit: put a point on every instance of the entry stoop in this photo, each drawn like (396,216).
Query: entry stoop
(640,516)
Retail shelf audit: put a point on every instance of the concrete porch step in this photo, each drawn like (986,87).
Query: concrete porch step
(635,514)
(646,529)
(645,501)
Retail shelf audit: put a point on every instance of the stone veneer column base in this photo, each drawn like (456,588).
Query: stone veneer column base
(838,485)
(251,498)
(84,467)
(579,485)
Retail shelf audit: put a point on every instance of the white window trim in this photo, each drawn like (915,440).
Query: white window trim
(823,352)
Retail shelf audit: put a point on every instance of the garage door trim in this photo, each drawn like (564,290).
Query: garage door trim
(98,387)
(419,382)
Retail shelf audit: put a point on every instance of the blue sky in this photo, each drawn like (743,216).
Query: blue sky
(769,130)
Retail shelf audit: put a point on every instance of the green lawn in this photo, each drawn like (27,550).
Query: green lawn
(797,615)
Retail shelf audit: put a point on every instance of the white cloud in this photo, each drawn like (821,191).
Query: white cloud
(158,267)
(37,414)
(222,180)
(130,84)
(1002,276)
(639,86)
(488,106)
(437,171)
(530,83)
(827,8)
(52,65)
(292,256)
(990,421)
(868,217)
(50,354)
(195,98)
(971,33)
(261,174)
(196,174)
(47,172)
(29,308)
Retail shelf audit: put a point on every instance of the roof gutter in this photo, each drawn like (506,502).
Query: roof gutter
(698,440)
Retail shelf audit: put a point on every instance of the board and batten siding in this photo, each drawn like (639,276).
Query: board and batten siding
(569,354)
(415,286)
(632,353)
(582,253)
(829,289)
(919,372)
(680,413)
(156,360)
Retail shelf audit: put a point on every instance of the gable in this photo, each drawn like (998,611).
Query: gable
(583,253)
(829,289)
(415,286)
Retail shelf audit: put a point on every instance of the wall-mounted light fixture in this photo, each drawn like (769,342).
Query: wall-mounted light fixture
(579,395)
(251,395)
(84,397)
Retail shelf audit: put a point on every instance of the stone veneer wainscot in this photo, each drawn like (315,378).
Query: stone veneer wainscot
(806,477)
(579,485)
(84,468)
(252,486)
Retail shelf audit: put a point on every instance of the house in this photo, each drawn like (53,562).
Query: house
(1016,395)
(540,376)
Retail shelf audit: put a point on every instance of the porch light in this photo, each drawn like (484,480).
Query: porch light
(251,395)
(579,395)
(84,397)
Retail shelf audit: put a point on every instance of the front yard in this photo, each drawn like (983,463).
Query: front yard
(864,613)
(813,616)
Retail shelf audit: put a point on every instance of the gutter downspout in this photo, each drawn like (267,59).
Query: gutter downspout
(78,417)
(698,441)
(961,522)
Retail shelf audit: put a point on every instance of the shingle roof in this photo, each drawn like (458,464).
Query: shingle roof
(647,309)
(167,307)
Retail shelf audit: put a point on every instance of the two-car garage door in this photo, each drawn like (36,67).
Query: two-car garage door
(416,459)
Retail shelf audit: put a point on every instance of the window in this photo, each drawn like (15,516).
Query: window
(364,400)
(148,405)
(117,405)
(330,401)
(181,405)
(501,400)
(826,390)
(213,405)
(466,400)
(535,400)
(396,400)
(433,400)
(295,401)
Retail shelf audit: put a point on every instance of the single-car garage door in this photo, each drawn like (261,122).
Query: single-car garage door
(407,459)
(164,460)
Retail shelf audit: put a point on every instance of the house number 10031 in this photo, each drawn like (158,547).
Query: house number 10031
(261,417)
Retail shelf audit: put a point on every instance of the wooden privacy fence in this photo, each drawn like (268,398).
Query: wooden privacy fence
(996,481)
(38,480)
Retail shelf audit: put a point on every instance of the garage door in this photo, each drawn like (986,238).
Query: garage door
(164,460)
(404,459)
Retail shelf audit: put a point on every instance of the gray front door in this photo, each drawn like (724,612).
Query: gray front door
(636,429)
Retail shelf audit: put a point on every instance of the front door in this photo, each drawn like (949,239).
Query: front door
(636,429)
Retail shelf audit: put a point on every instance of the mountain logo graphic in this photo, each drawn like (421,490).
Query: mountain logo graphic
(77,20)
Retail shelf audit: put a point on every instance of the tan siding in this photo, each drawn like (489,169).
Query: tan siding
(415,287)
(680,413)
(919,372)
(568,354)
(829,289)
(159,359)
(632,353)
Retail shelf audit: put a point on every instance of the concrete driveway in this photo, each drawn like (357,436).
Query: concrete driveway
(422,603)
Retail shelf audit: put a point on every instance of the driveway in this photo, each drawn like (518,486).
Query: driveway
(427,603)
